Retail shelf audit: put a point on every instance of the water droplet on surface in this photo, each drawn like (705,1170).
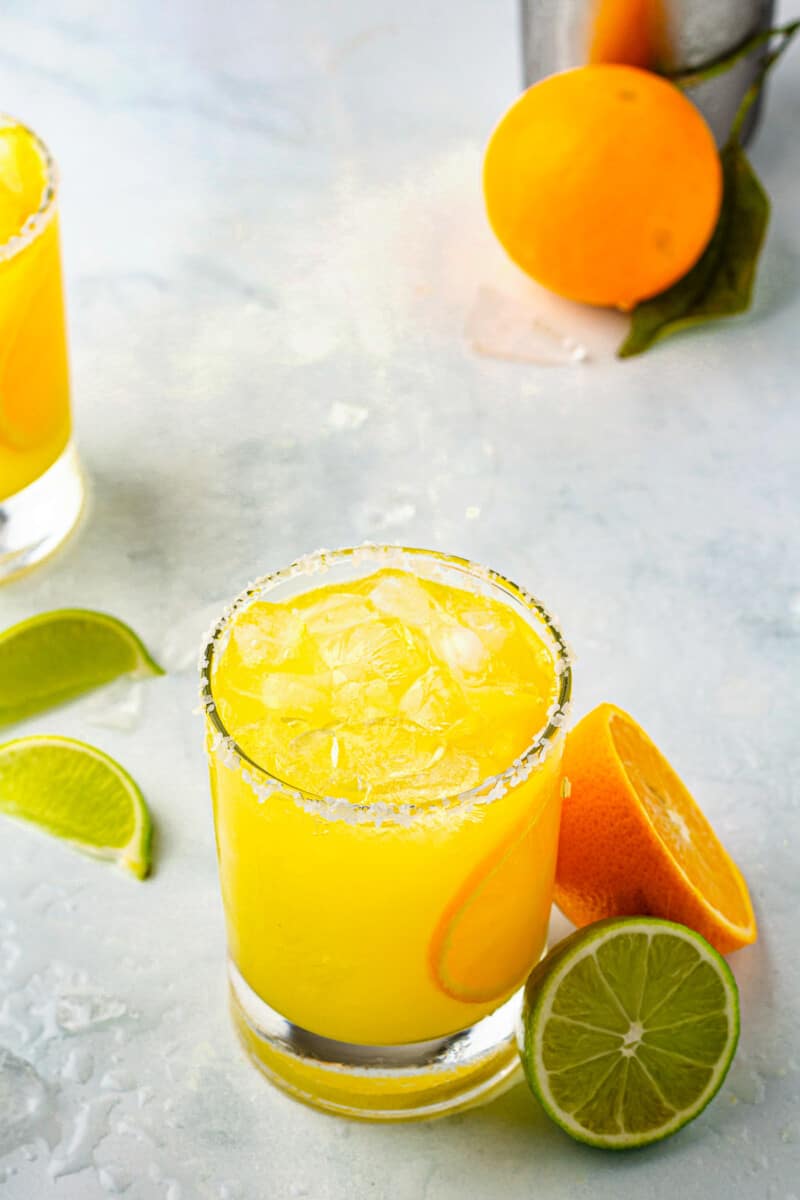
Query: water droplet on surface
(119,705)
(747,1084)
(181,646)
(397,515)
(80,1010)
(791,1133)
(230,1190)
(118,1081)
(25,1102)
(114,1179)
(9,955)
(78,1066)
(90,1125)
(347,416)
(126,1128)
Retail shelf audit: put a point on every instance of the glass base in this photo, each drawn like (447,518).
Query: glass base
(411,1082)
(35,521)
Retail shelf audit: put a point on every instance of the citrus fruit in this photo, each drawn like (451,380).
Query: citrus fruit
(629,1029)
(59,655)
(633,841)
(76,792)
(495,927)
(628,31)
(603,183)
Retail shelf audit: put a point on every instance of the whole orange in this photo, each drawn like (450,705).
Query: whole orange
(603,183)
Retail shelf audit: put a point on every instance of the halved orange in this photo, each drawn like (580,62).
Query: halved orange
(634,842)
(494,929)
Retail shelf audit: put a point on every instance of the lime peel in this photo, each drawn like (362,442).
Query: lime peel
(628,1046)
(77,793)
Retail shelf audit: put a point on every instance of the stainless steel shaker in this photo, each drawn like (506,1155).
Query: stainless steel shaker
(557,34)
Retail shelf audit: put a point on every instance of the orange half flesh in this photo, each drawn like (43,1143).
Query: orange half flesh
(635,843)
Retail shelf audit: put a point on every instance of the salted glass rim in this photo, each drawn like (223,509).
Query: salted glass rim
(35,223)
(493,787)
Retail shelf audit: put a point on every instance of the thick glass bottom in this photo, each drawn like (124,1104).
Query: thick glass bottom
(35,521)
(380,1083)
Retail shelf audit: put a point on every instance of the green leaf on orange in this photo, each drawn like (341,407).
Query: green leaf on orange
(721,283)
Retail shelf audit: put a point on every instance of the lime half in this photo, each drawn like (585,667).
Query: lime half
(76,792)
(630,1026)
(59,655)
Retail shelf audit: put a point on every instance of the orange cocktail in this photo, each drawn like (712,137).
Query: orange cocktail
(385,759)
(40,490)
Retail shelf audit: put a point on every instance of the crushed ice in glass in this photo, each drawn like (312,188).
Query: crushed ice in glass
(393,687)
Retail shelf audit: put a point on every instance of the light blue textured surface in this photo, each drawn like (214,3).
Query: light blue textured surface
(273,237)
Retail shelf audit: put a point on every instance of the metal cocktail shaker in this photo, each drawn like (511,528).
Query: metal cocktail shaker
(677,35)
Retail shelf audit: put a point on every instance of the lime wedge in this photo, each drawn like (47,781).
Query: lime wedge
(59,655)
(630,1026)
(79,794)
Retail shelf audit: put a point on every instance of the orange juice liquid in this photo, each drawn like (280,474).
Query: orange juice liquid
(396,912)
(34,385)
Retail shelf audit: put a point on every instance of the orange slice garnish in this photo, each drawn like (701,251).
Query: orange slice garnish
(495,928)
(634,842)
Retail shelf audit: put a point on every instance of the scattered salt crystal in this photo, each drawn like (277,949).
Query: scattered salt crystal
(346,416)
(398,514)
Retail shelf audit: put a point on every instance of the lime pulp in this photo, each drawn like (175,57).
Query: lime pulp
(630,1026)
(57,656)
(76,792)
